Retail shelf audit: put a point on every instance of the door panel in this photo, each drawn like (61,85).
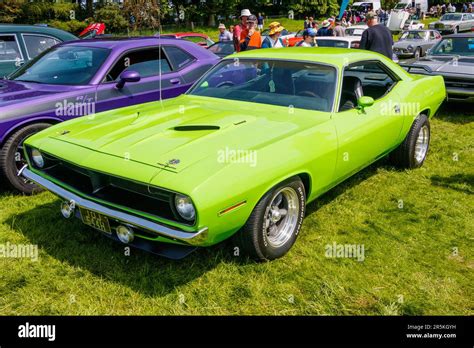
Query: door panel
(366,135)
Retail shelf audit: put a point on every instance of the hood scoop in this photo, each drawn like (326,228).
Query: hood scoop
(197,127)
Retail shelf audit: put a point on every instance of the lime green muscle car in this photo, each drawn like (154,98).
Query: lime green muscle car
(241,154)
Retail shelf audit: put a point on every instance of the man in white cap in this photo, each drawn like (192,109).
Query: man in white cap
(244,15)
(224,35)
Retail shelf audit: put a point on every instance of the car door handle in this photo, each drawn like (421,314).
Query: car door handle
(175,81)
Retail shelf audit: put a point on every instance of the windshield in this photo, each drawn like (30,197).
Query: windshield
(462,46)
(65,65)
(222,48)
(275,82)
(414,35)
(332,43)
(451,17)
(400,6)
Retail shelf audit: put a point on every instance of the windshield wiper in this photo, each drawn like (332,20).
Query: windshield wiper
(32,81)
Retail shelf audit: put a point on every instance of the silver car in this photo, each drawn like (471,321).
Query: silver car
(454,23)
(415,43)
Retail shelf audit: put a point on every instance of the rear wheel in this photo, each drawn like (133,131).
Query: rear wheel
(413,150)
(275,222)
(12,158)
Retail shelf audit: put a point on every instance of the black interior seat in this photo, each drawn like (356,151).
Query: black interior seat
(351,92)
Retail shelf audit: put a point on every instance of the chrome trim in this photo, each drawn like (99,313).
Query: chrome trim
(191,238)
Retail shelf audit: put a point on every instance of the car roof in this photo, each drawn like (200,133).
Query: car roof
(340,38)
(37,29)
(126,42)
(185,34)
(470,35)
(325,55)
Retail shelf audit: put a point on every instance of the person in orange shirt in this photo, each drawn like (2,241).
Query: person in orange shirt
(250,38)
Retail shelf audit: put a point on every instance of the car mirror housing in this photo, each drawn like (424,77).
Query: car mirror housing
(364,102)
(128,76)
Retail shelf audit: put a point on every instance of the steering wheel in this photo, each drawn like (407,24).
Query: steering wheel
(308,94)
(225,84)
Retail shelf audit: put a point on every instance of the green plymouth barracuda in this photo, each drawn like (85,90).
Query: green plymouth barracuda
(241,154)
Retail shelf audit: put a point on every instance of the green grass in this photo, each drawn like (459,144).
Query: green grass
(410,266)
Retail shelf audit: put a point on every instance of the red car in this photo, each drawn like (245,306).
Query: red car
(292,41)
(201,39)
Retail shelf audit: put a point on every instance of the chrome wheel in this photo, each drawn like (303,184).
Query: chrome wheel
(422,142)
(281,216)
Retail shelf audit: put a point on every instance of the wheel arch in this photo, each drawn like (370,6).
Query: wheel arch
(27,122)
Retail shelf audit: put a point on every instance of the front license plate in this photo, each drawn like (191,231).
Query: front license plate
(96,220)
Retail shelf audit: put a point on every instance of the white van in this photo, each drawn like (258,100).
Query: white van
(366,6)
(401,12)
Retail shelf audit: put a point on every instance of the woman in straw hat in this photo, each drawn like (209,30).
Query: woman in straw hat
(273,39)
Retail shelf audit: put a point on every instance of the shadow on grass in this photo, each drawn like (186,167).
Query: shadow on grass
(456,112)
(459,182)
(85,249)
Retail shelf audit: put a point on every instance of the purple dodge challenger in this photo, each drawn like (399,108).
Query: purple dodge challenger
(84,77)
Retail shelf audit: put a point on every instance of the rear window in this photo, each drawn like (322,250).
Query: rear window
(9,49)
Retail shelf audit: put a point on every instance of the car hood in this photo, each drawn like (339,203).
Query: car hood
(186,130)
(12,92)
(449,64)
(405,43)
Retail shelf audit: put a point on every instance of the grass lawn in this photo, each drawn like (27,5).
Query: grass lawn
(416,228)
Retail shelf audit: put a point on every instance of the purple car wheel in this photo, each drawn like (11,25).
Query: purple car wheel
(12,159)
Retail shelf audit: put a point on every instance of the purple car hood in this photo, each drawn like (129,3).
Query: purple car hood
(12,92)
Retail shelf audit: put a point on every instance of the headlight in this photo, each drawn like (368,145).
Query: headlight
(410,47)
(185,207)
(37,157)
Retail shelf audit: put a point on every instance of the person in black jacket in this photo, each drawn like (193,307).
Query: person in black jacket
(377,37)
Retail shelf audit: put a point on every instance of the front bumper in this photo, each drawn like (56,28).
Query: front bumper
(190,238)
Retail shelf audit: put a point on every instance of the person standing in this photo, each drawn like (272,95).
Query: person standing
(339,29)
(244,15)
(308,38)
(325,29)
(273,39)
(377,37)
(224,35)
(306,23)
(260,21)
(250,38)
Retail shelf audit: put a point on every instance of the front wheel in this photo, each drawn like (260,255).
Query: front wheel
(417,53)
(275,222)
(411,153)
(12,159)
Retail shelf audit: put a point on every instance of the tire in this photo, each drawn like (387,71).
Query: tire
(10,163)
(456,30)
(418,53)
(255,237)
(412,152)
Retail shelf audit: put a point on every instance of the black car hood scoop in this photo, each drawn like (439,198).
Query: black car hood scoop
(196,127)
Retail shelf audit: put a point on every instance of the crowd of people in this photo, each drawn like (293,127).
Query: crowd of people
(439,10)
(246,35)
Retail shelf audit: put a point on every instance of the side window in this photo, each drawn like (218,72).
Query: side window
(364,79)
(146,62)
(36,44)
(178,58)
(9,49)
